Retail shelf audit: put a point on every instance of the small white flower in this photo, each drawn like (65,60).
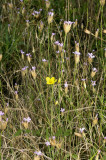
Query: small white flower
(65,84)
(94,70)
(91,55)
(38,153)
(93,83)
(47,143)
(82,129)
(33,68)
(27,119)
(53,137)
(44,60)
(62,110)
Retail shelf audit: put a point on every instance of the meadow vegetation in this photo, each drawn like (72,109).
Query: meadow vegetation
(52,80)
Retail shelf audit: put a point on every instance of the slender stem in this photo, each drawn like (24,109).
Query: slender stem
(101,29)
(49,47)
(52,112)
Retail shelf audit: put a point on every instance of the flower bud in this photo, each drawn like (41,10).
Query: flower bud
(102,2)
(25,124)
(10,5)
(47,4)
(87,31)
(96,33)
(76,46)
(1,57)
(104,31)
(36,158)
(3,125)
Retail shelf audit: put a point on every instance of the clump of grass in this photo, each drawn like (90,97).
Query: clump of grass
(52,80)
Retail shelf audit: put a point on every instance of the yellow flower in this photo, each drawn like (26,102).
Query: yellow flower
(50,80)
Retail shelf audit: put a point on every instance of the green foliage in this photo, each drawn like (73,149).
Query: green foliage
(59,112)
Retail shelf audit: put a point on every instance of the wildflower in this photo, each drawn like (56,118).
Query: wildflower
(67,26)
(16,86)
(33,72)
(47,4)
(96,33)
(102,2)
(94,70)
(1,57)
(53,37)
(62,110)
(47,143)
(25,122)
(90,57)
(50,80)
(60,46)
(1,113)
(40,9)
(16,95)
(77,56)
(57,52)
(28,57)
(41,25)
(27,23)
(22,54)
(82,129)
(44,60)
(38,153)
(75,23)
(27,119)
(23,10)
(87,31)
(24,70)
(66,87)
(53,141)
(36,14)
(10,5)
(50,17)
(93,83)
(55,45)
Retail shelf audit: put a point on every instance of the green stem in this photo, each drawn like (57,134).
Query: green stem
(101,29)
